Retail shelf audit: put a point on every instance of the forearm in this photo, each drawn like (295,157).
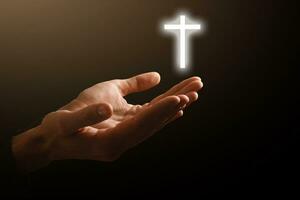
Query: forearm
(31,150)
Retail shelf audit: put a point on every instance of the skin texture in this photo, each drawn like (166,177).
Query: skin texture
(100,124)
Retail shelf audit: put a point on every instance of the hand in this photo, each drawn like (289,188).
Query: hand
(100,125)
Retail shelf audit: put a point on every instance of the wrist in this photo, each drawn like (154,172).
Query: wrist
(31,150)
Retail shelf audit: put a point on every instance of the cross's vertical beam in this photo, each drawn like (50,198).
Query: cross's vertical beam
(182,42)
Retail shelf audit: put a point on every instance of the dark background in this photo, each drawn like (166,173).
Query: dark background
(239,136)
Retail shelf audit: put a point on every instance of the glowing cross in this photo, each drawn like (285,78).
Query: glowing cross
(182,39)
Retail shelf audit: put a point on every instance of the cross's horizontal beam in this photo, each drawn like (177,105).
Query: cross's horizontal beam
(186,27)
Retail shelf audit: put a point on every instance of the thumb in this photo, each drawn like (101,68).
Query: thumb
(87,116)
(139,83)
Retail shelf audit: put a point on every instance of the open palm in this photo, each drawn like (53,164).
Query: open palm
(113,93)
(124,125)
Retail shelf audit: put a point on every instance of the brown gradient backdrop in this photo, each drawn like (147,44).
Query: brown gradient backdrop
(50,50)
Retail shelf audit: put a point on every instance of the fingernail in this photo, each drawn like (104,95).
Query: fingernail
(102,111)
(197,77)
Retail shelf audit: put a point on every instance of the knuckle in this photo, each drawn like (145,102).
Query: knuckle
(49,116)
(55,120)
(50,119)
(52,122)
(114,82)
(84,92)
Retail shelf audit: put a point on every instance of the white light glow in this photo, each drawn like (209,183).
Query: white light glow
(182,29)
